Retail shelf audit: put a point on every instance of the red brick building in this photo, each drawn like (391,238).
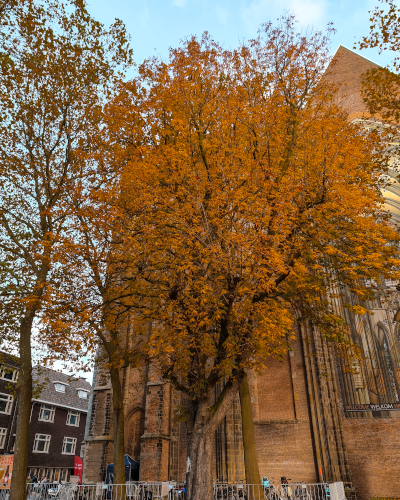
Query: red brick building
(303,425)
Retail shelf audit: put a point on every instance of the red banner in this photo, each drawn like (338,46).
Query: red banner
(78,468)
(6,467)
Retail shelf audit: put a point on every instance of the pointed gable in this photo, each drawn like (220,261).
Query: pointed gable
(345,71)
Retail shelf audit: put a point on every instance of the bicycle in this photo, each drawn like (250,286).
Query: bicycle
(176,492)
(285,491)
(67,492)
(301,493)
(144,493)
(269,489)
(229,491)
(51,491)
(219,491)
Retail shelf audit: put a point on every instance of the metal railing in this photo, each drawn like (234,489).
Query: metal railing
(291,491)
(174,491)
(101,491)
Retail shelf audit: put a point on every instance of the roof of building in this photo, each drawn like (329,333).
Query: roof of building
(345,70)
(9,359)
(46,379)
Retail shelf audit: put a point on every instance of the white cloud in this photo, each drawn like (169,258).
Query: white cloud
(223,14)
(307,12)
(69,369)
(179,3)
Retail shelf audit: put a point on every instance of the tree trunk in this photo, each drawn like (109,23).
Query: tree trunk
(250,456)
(24,395)
(119,435)
(202,481)
(202,457)
(202,415)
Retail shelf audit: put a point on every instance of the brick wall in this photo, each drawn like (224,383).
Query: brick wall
(275,397)
(285,449)
(345,72)
(101,418)
(373,451)
(228,446)
(178,442)
(155,441)
(282,430)
(97,455)
(98,449)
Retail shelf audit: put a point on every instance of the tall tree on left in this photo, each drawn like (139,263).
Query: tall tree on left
(58,68)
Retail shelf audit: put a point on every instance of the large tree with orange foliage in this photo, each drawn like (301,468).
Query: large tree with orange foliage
(58,69)
(251,198)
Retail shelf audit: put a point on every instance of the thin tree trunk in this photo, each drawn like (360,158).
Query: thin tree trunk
(119,435)
(250,456)
(24,395)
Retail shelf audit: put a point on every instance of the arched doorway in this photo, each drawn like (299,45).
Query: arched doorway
(134,428)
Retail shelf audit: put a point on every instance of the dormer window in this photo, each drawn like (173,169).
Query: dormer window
(60,386)
(83,393)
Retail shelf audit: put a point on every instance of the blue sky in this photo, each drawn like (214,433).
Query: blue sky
(156,25)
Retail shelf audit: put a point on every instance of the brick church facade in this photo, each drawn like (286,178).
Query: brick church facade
(304,425)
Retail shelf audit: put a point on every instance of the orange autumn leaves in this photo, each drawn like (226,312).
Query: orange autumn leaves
(249,196)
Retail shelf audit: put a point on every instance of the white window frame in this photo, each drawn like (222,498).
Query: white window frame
(9,402)
(83,391)
(62,387)
(3,434)
(69,440)
(46,440)
(6,369)
(76,414)
(44,408)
